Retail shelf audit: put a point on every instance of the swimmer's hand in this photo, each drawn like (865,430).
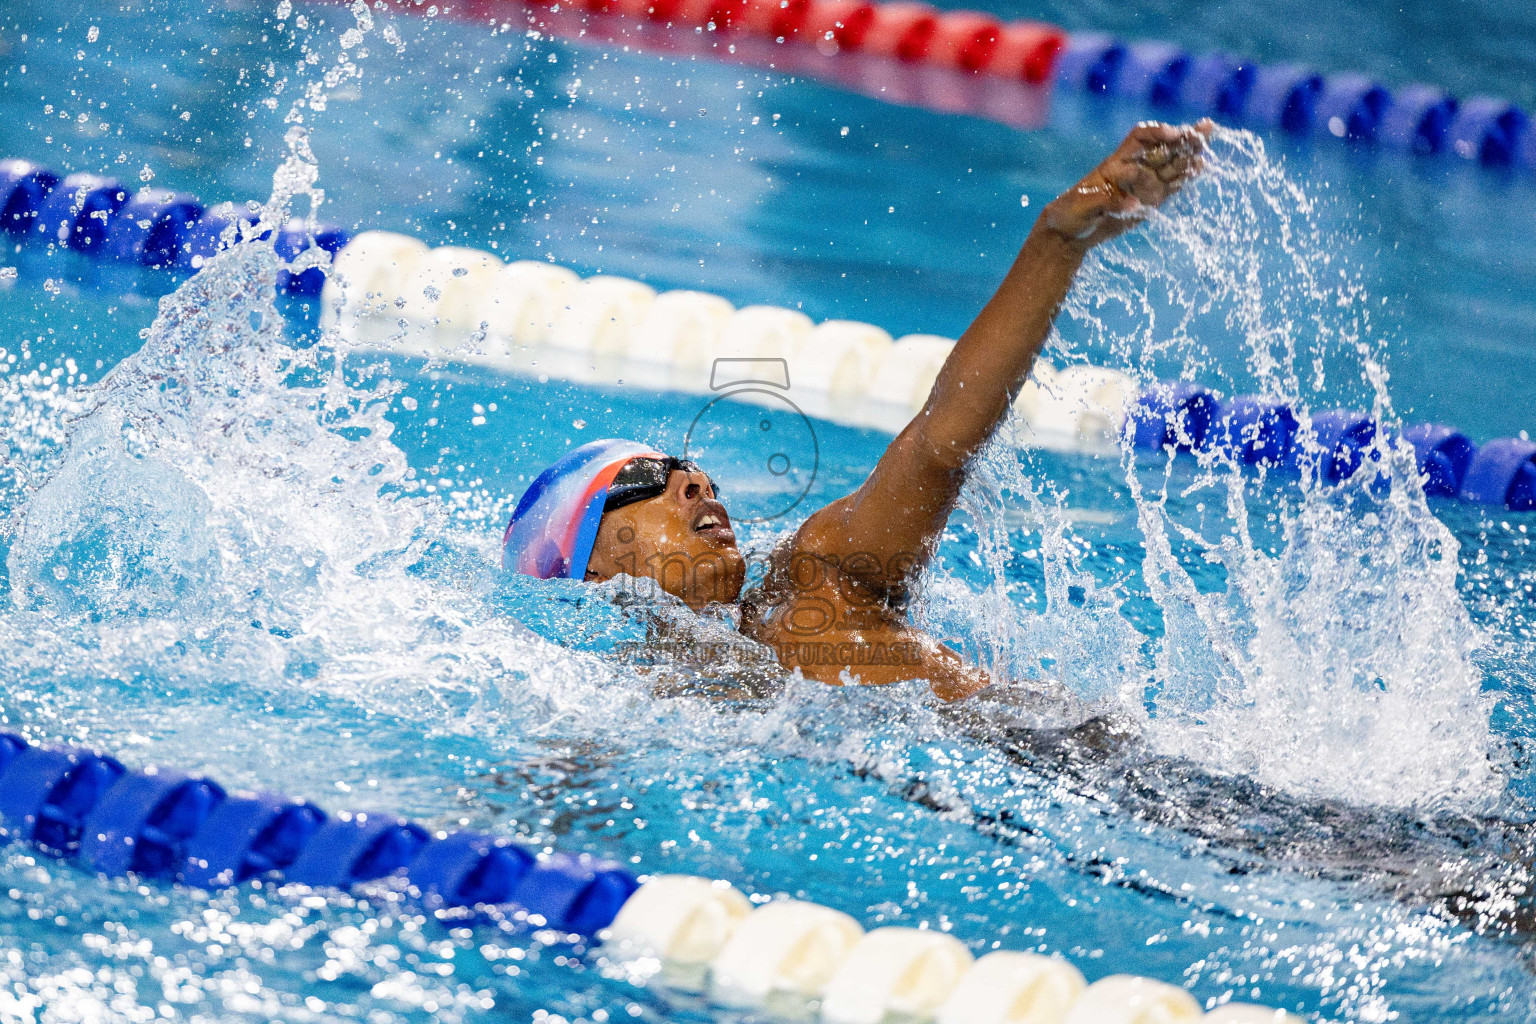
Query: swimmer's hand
(1153,163)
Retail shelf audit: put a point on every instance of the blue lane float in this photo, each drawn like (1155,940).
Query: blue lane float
(46,794)
(1490,130)
(1443,455)
(161,824)
(1176,414)
(1416,118)
(1219,84)
(23,187)
(1256,431)
(1091,62)
(152,228)
(1344,438)
(1154,73)
(146,825)
(1253,430)
(77,211)
(1284,97)
(1503,472)
(247,836)
(1352,106)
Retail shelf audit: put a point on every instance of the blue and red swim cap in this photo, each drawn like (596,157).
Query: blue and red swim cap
(555,523)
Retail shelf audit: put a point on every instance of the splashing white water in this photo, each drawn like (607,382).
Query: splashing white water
(1336,661)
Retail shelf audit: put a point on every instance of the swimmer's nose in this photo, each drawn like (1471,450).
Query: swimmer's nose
(694,487)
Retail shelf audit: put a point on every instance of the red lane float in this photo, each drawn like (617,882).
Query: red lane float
(964,40)
(1028,50)
(776,19)
(832,25)
(902,30)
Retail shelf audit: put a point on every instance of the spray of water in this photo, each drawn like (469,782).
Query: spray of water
(1334,657)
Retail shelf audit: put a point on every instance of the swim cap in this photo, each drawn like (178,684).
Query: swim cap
(554,525)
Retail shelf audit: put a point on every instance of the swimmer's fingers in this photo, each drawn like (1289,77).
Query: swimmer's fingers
(1153,163)
(1179,170)
(1138,182)
(1154,176)
(1161,145)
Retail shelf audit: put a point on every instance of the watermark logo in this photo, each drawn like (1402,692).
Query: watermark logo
(762,442)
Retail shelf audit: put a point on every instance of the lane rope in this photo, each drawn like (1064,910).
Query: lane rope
(849,372)
(391,292)
(156,823)
(974,48)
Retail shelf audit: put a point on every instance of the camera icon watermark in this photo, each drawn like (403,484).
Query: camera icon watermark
(753,438)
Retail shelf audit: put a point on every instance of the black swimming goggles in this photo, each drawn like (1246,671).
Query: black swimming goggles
(645,477)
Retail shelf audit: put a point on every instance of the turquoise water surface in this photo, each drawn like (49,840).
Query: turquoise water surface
(237,546)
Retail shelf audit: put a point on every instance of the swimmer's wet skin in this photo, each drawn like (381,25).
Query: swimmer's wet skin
(832,603)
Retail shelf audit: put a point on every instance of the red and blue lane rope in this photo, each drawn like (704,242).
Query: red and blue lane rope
(1285,97)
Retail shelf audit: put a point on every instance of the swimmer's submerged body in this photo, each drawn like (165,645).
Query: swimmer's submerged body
(832,603)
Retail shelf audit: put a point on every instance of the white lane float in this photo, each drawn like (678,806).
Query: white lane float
(368,274)
(682,330)
(905,376)
(787,946)
(607,328)
(521,306)
(763,332)
(601,315)
(840,356)
(1080,403)
(1014,988)
(682,919)
(905,973)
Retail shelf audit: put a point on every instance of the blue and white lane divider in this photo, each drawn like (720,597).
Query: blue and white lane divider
(160,824)
(533,317)
(99,217)
(1075,407)
(1298,101)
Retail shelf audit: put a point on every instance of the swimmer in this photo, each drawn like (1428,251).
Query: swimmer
(832,602)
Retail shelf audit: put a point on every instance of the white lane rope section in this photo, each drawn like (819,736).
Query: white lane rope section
(804,961)
(391,292)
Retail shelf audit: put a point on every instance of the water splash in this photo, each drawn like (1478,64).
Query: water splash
(1334,657)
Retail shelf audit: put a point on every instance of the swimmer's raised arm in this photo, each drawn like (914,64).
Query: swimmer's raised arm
(893,520)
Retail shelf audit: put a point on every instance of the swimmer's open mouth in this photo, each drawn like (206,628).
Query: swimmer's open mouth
(713,522)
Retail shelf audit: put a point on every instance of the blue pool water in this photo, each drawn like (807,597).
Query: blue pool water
(204,575)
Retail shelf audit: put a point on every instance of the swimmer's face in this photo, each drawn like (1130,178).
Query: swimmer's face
(682,539)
